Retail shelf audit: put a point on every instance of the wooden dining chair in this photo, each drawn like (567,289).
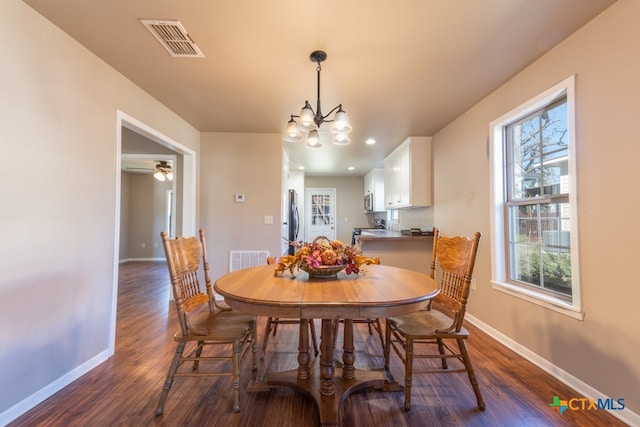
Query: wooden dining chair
(203,322)
(440,324)
(273,322)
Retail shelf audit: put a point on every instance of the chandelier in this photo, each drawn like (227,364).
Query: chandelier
(163,171)
(305,125)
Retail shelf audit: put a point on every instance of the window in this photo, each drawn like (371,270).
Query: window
(534,218)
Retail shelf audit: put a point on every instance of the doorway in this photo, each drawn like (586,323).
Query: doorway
(185,196)
(320,205)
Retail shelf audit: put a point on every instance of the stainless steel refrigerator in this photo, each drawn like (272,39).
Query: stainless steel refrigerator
(294,221)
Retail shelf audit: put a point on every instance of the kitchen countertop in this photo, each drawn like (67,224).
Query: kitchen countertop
(397,249)
(378,235)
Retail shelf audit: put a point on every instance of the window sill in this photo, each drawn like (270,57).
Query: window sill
(545,301)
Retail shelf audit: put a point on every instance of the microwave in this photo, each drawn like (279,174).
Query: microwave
(368,202)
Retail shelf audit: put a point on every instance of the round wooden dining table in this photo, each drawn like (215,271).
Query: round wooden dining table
(378,292)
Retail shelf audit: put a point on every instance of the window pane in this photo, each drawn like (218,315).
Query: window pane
(525,151)
(525,263)
(557,271)
(555,157)
(524,223)
(539,153)
(553,176)
(554,131)
(540,246)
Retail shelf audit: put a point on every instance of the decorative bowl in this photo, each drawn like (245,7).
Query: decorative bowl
(324,271)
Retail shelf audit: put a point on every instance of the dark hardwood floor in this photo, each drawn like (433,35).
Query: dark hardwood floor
(124,390)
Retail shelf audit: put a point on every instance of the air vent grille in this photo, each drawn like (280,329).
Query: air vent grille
(245,259)
(173,37)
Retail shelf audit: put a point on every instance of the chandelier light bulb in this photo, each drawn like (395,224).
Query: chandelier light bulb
(159,176)
(341,138)
(292,134)
(313,139)
(341,122)
(306,118)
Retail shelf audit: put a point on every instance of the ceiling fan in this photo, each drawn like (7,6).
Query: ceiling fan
(163,171)
(161,168)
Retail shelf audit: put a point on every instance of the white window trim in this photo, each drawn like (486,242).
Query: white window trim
(498,247)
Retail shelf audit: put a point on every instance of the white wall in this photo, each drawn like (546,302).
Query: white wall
(249,164)
(147,216)
(602,350)
(58,109)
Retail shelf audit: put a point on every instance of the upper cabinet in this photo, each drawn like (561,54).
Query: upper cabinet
(374,186)
(407,174)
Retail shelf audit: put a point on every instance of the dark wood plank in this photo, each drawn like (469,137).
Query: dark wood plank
(124,390)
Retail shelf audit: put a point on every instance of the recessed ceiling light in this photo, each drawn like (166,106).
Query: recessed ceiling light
(370,141)
(351,168)
(301,168)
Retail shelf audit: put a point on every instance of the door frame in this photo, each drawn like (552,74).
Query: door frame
(308,210)
(187,189)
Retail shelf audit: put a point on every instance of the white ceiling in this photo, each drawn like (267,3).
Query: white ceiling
(399,68)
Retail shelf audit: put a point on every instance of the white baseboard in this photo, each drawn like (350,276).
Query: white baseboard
(41,395)
(584,389)
(122,261)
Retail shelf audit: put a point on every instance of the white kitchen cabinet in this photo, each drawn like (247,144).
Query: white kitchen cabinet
(391,194)
(374,185)
(407,174)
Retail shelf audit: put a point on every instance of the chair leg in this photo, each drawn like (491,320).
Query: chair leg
(235,359)
(170,376)
(471,373)
(408,373)
(441,350)
(196,363)
(254,347)
(378,327)
(387,343)
(267,331)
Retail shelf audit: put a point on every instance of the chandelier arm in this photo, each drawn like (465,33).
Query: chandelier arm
(324,119)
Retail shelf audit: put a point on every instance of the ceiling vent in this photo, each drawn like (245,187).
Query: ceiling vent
(173,36)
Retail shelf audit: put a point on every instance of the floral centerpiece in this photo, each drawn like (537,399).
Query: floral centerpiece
(323,258)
